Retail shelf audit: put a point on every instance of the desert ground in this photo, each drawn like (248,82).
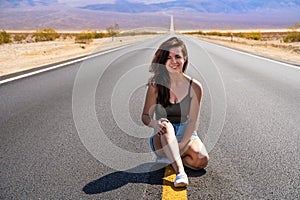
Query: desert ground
(275,48)
(19,57)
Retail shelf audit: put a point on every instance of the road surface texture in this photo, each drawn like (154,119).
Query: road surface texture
(249,122)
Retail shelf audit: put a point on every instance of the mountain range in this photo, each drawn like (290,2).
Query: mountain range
(132,14)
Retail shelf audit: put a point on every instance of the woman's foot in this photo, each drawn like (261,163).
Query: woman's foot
(181,180)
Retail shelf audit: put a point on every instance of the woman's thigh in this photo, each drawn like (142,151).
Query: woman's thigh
(195,148)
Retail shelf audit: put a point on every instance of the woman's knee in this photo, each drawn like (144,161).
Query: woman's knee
(200,161)
(203,161)
(168,125)
(169,128)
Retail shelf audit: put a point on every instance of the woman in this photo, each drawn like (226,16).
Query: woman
(175,99)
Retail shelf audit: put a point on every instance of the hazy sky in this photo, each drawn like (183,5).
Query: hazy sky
(80,2)
(87,2)
(149,1)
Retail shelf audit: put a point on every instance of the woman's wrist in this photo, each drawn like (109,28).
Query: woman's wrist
(152,123)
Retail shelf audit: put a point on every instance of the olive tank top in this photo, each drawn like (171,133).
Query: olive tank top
(175,112)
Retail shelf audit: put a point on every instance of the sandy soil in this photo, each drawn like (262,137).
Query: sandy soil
(276,49)
(19,57)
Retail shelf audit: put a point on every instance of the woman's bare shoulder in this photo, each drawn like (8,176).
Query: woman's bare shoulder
(152,88)
(197,86)
(196,83)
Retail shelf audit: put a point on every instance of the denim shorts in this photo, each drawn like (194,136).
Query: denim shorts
(179,130)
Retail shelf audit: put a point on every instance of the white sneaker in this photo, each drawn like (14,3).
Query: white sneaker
(181,180)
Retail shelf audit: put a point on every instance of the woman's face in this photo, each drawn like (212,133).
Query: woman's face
(175,60)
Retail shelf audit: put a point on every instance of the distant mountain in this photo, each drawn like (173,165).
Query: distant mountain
(25,3)
(188,14)
(207,6)
(123,6)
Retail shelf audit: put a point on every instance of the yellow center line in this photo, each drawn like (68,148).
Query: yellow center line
(169,191)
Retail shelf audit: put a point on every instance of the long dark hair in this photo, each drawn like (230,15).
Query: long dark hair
(161,76)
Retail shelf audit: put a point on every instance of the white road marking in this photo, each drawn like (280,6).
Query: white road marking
(249,54)
(59,65)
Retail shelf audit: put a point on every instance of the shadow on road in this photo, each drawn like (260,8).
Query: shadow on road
(118,179)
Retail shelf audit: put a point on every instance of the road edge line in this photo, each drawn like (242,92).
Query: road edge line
(61,65)
(282,62)
(169,192)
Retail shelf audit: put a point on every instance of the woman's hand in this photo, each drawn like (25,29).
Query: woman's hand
(160,126)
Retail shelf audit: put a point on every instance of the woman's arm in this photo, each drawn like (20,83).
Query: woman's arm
(159,126)
(196,97)
(149,106)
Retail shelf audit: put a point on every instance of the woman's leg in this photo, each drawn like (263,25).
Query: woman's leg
(166,145)
(196,156)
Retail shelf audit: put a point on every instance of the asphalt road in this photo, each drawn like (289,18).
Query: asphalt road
(71,133)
